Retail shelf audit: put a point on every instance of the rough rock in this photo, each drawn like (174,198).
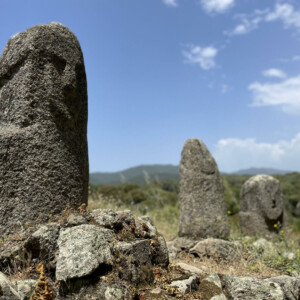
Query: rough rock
(215,279)
(156,293)
(219,297)
(82,250)
(202,202)
(179,244)
(74,220)
(217,249)
(160,253)
(113,219)
(43,121)
(114,293)
(266,248)
(25,288)
(289,285)
(134,260)
(9,255)
(190,269)
(7,292)
(187,285)
(43,242)
(248,288)
(261,206)
(146,227)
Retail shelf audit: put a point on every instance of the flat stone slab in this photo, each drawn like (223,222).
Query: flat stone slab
(82,249)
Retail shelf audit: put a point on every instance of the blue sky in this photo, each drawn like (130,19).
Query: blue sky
(162,71)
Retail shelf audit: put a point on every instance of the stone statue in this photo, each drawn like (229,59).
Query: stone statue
(43,126)
(261,206)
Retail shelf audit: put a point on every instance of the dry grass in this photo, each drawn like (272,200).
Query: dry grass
(253,268)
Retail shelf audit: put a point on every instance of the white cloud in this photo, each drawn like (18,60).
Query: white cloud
(274,73)
(216,6)
(234,154)
(172,3)
(284,12)
(224,88)
(296,58)
(285,94)
(203,56)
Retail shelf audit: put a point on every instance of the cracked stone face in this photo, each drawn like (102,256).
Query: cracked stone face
(43,125)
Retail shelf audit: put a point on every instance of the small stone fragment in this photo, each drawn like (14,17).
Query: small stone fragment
(25,288)
(187,285)
(7,292)
(75,220)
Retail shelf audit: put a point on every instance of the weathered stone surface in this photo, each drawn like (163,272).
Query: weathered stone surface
(74,220)
(43,124)
(134,259)
(218,249)
(248,288)
(113,219)
(190,269)
(82,250)
(179,244)
(160,253)
(7,292)
(201,198)
(261,206)
(187,285)
(215,279)
(43,242)
(25,288)
(289,285)
(146,227)
(266,248)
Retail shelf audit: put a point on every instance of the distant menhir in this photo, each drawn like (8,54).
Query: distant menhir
(43,126)
(201,199)
(261,207)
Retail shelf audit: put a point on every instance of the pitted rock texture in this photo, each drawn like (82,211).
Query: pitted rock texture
(43,124)
(249,288)
(218,249)
(261,206)
(201,198)
(135,261)
(82,250)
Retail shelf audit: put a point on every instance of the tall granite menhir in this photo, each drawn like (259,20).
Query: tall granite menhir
(261,206)
(201,197)
(43,126)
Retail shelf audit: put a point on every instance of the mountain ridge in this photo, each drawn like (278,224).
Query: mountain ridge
(143,173)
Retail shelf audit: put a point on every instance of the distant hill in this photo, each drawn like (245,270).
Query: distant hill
(139,175)
(255,171)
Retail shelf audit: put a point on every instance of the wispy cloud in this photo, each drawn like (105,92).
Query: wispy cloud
(172,3)
(285,94)
(203,56)
(224,88)
(233,154)
(274,73)
(284,12)
(217,6)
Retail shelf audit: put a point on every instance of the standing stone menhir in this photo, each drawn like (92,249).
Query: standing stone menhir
(201,198)
(43,126)
(261,206)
